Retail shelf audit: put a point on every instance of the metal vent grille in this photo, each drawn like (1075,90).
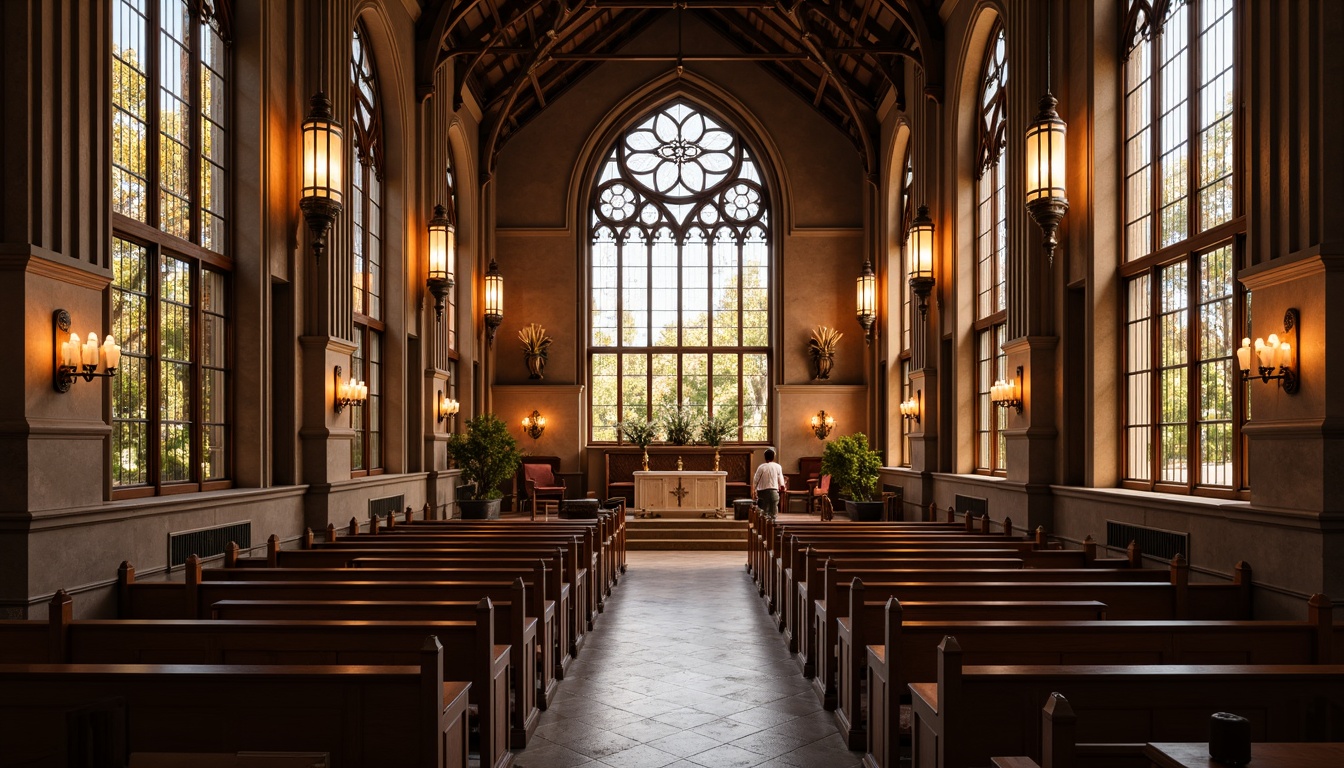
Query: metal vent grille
(1153,542)
(977,506)
(207,542)
(383,507)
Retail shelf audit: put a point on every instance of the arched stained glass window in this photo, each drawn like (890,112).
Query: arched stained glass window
(366,213)
(991,253)
(680,259)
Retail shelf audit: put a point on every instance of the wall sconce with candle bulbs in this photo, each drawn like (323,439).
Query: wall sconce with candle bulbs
(80,360)
(822,424)
(910,408)
(323,178)
(1008,394)
(1274,355)
(349,392)
(534,425)
(919,258)
(494,301)
(447,406)
(442,257)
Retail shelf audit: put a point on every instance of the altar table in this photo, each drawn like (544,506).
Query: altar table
(679,492)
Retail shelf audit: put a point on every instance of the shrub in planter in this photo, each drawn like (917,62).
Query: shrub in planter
(853,468)
(489,457)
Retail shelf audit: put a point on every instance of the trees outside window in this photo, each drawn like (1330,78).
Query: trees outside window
(991,254)
(680,254)
(170,253)
(1183,242)
(366,209)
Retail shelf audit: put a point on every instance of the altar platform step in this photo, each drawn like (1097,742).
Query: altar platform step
(688,535)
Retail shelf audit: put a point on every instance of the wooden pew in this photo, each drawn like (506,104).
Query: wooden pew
(975,712)
(540,580)
(572,575)
(801,624)
(908,652)
(587,557)
(470,651)
(608,533)
(393,716)
(514,619)
(1124,600)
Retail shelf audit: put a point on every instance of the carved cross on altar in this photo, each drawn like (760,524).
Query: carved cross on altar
(680,492)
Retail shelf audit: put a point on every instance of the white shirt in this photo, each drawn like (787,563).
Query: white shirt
(769,477)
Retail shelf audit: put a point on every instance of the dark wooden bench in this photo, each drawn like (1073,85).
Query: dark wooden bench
(975,712)
(1123,599)
(907,651)
(470,651)
(540,579)
(515,619)
(387,715)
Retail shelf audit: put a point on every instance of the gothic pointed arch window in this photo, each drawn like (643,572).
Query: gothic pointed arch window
(1184,404)
(366,214)
(171,252)
(991,252)
(680,259)
(446,336)
(907,321)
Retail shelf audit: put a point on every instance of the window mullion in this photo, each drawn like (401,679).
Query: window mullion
(153,114)
(1194,365)
(195,153)
(1155,375)
(154,376)
(194,353)
(1193,25)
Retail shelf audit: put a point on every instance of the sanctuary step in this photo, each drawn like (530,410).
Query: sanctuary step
(686,535)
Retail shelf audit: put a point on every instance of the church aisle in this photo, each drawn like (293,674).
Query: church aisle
(686,670)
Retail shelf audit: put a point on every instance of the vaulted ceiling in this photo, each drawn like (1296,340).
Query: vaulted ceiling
(841,56)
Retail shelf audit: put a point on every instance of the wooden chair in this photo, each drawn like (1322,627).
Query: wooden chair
(540,485)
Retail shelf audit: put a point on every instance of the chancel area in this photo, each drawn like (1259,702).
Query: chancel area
(496,283)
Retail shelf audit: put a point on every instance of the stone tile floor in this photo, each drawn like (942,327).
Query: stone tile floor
(685,670)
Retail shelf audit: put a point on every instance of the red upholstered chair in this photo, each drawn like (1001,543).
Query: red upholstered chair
(822,489)
(802,484)
(540,483)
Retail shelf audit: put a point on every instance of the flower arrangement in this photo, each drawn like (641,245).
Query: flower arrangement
(716,429)
(638,432)
(679,424)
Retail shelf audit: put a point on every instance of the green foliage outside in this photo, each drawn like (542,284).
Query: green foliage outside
(852,465)
(487,454)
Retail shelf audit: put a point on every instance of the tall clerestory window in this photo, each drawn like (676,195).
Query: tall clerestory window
(171,262)
(991,253)
(680,255)
(907,215)
(1182,413)
(366,213)
(447,325)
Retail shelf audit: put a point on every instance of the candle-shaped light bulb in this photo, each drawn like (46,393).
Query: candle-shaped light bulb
(70,352)
(111,353)
(1244,355)
(1285,355)
(90,352)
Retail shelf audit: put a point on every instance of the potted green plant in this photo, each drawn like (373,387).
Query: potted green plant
(489,457)
(853,468)
(640,433)
(715,429)
(679,424)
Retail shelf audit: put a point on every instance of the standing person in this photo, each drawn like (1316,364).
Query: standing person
(767,485)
